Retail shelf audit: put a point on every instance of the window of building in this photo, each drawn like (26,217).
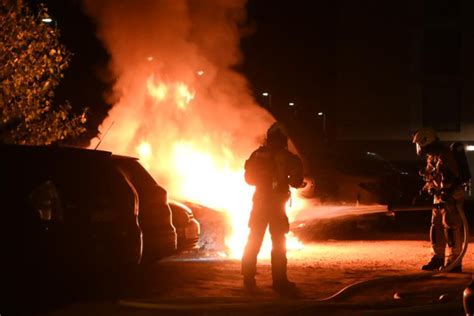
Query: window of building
(442,101)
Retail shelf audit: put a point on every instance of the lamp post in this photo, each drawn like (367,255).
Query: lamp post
(266,94)
(46,19)
(324,125)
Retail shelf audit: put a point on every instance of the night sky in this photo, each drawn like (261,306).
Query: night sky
(286,52)
(378,69)
(354,60)
(283,52)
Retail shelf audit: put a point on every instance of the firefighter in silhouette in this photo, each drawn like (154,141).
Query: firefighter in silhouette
(272,169)
(444,180)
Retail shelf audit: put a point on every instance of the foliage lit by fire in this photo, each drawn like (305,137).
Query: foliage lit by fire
(32,62)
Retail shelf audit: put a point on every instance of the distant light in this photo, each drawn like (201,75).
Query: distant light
(470,148)
(144,150)
(291,104)
(320,113)
(265,94)
(404,173)
(150,58)
(200,72)
(46,20)
(371,153)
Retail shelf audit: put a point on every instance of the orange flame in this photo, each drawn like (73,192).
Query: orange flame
(194,166)
(180,105)
(204,177)
(160,91)
(197,169)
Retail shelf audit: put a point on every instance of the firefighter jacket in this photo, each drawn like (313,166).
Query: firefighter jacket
(441,174)
(273,172)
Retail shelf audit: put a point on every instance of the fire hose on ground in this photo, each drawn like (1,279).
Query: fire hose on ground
(343,292)
(231,304)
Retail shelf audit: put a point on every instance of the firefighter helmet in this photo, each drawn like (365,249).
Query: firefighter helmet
(424,137)
(277,135)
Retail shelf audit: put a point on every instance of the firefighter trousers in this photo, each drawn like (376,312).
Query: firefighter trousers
(447,229)
(279,226)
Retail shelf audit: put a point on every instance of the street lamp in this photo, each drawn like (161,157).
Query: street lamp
(266,94)
(45,18)
(324,124)
(291,104)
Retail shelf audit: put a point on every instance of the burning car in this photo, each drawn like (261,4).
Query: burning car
(187,227)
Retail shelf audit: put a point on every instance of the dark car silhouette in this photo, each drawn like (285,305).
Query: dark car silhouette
(159,235)
(358,177)
(77,207)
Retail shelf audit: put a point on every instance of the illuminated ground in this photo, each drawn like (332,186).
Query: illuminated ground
(320,270)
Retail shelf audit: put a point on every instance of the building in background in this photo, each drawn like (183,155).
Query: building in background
(407,65)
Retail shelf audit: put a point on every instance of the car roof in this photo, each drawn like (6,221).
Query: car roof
(121,157)
(51,150)
(54,150)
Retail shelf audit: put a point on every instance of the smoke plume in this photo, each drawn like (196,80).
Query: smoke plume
(176,86)
(182,108)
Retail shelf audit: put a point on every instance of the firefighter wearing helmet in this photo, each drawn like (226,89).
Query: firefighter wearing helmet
(272,169)
(443,181)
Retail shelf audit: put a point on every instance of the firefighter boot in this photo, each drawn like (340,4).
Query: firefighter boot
(250,283)
(284,286)
(434,264)
(281,284)
(456,269)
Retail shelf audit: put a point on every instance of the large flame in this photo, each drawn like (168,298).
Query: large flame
(182,108)
(207,174)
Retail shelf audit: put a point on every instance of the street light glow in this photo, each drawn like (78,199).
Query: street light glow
(291,104)
(470,148)
(200,72)
(320,113)
(269,96)
(47,20)
(150,58)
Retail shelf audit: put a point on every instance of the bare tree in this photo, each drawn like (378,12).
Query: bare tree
(32,62)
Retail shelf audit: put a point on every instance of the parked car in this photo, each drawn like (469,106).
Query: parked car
(411,183)
(159,235)
(71,216)
(347,176)
(213,224)
(83,206)
(187,227)
(72,206)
